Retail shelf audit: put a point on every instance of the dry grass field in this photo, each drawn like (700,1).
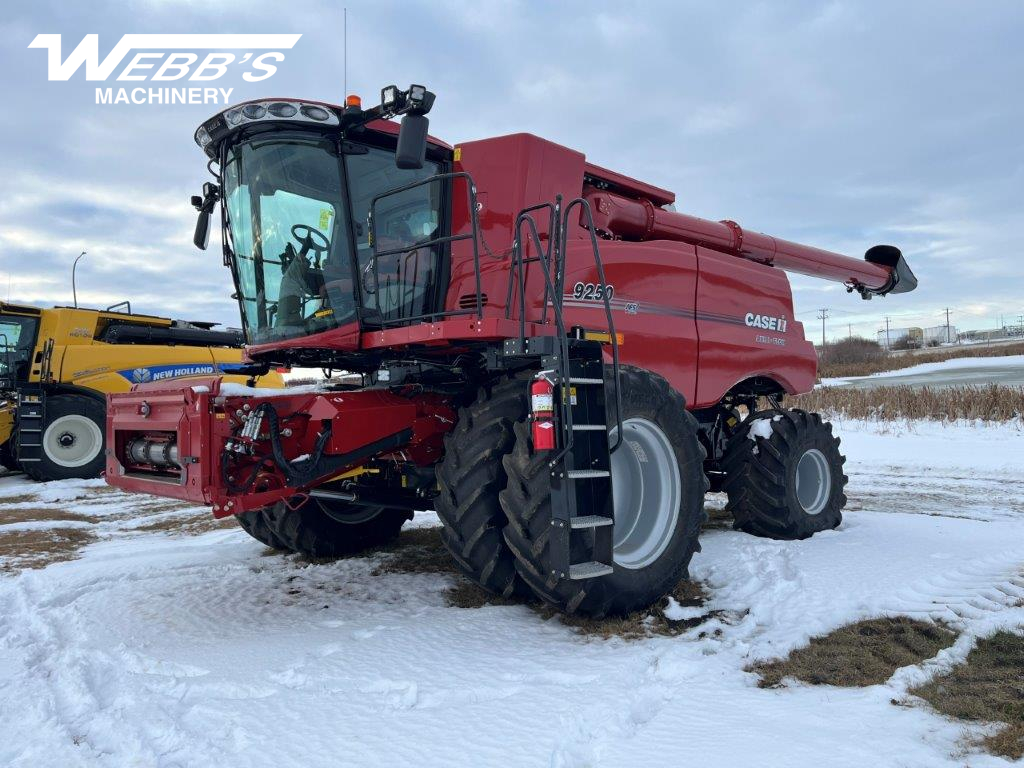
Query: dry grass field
(987,403)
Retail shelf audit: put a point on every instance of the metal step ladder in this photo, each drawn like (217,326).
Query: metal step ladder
(582,503)
(30,418)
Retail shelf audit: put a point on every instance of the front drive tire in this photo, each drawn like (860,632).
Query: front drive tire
(469,479)
(73,438)
(660,461)
(784,475)
(324,528)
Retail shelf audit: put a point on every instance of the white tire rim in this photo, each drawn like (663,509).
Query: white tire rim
(813,482)
(647,490)
(72,441)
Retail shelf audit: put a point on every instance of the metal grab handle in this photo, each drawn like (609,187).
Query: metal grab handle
(585,207)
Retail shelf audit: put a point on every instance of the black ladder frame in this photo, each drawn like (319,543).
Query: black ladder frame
(580,467)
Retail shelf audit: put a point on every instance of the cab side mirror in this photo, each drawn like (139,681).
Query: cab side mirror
(412,142)
(204,204)
(201,238)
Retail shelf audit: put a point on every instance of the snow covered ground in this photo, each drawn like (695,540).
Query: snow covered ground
(173,642)
(973,371)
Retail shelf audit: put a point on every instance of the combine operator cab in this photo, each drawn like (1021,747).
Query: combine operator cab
(540,349)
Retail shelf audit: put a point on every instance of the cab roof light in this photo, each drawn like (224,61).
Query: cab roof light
(353,101)
(210,133)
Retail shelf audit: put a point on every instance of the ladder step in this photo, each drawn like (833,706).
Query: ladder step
(30,445)
(589,427)
(583,380)
(590,521)
(591,570)
(585,474)
(22,460)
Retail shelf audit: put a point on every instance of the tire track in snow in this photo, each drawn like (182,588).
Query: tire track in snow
(86,694)
(945,492)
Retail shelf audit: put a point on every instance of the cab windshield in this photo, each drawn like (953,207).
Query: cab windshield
(299,235)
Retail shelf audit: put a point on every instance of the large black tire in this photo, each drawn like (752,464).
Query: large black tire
(471,476)
(761,476)
(527,503)
(325,528)
(7,458)
(256,524)
(73,438)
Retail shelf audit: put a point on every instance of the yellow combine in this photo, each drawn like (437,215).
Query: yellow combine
(57,366)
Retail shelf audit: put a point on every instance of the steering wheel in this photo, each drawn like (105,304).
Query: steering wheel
(314,239)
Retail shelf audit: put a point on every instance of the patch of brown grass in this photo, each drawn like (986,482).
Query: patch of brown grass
(21,498)
(33,514)
(895,362)
(188,525)
(987,687)
(416,550)
(860,654)
(466,594)
(36,549)
(988,403)
(644,623)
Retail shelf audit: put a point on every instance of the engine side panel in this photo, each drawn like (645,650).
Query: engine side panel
(744,314)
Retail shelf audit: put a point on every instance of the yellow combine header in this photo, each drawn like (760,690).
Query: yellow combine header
(58,365)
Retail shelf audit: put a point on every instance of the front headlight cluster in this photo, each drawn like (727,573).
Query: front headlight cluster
(264,111)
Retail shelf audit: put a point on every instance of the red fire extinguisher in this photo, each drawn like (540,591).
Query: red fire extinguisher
(542,410)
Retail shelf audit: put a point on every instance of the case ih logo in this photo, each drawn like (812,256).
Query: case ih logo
(167,58)
(766,322)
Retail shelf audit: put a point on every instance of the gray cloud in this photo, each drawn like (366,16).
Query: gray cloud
(837,124)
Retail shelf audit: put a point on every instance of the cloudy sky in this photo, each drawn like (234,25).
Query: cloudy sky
(839,124)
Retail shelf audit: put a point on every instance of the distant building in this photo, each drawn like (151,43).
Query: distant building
(939,334)
(1006,332)
(901,338)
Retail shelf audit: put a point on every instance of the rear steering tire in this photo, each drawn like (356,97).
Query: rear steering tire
(72,438)
(324,528)
(659,484)
(784,475)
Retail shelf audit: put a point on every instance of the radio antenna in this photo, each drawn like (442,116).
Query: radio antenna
(344,66)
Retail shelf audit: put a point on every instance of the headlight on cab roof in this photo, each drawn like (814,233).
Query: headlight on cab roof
(210,132)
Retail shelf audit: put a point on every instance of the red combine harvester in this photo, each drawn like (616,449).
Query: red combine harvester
(551,358)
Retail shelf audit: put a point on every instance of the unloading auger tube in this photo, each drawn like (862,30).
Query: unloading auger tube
(882,271)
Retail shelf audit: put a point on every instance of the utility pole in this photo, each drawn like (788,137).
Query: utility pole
(948,340)
(849,330)
(888,343)
(823,316)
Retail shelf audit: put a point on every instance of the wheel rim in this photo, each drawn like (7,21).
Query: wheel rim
(72,441)
(646,491)
(348,514)
(813,481)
